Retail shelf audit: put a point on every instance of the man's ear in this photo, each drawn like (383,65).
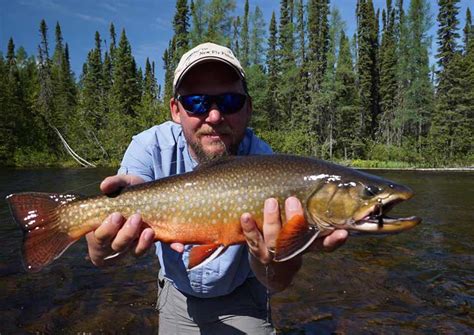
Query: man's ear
(174,108)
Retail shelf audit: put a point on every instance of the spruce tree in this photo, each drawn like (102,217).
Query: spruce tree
(181,27)
(245,36)
(198,11)
(368,69)
(257,38)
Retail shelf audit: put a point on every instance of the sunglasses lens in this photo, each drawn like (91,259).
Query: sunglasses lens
(195,104)
(199,104)
(231,102)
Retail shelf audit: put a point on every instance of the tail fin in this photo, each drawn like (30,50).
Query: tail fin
(36,214)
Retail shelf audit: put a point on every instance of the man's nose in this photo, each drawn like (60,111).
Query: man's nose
(214,115)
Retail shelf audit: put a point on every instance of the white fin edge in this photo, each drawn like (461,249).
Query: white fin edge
(213,256)
(300,250)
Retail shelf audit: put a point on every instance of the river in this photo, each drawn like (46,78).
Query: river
(418,282)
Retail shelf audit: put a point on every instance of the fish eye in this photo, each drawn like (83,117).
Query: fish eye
(371,190)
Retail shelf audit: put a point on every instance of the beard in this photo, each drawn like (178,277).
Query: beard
(223,150)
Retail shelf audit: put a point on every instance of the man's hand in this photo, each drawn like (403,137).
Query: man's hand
(117,235)
(261,244)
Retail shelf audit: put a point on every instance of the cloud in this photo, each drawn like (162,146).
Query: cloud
(91,18)
(161,24)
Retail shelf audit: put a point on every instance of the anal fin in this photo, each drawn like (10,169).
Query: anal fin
(294,237)
(200,255)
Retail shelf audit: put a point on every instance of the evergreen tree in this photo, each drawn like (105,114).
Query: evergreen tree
(219,22)
(180,27)
(273,70)
(346,103)
(45,101)
(367,67)
(235,37)
(198,11)
(245,36)
(419,94)
(447,32)
(388,75)
(257,38)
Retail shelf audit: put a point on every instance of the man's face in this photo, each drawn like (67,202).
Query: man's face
(213,134)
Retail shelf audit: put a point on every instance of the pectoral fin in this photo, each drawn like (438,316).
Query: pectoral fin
(200,255)
(295,236)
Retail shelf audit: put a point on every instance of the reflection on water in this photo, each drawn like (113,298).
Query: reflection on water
(416,282)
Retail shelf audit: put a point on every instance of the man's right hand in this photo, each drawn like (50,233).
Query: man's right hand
(117,235)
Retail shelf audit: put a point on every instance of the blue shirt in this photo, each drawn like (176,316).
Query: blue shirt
(162,151)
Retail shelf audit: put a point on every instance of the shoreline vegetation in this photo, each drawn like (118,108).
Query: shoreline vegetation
(371,100)
(357,164)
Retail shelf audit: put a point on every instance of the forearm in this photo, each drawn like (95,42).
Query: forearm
(276,276)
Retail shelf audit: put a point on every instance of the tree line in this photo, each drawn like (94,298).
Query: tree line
(316,90)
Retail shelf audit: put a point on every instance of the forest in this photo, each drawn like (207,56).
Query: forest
(371,99)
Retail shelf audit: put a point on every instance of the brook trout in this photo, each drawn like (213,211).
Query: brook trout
(204,207)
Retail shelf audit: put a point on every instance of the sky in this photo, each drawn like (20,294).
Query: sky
(148,24)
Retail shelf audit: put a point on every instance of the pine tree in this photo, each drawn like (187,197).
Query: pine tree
(419,94)
(450,101)
(273,70)
(198,11)
(447,32)
(45,101)
(245,36)
(180,27)
(235,37)
(257,38)
(346,103)
(367,67)
(219,22)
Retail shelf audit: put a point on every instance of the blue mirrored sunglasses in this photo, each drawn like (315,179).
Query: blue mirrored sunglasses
(199,104)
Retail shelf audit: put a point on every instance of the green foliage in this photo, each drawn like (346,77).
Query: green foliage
(313,91)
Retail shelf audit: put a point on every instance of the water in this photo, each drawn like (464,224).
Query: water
(417,282)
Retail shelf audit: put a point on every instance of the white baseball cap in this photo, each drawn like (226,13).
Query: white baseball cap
(203,53)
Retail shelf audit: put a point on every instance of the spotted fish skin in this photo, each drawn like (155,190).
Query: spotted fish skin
(201,207)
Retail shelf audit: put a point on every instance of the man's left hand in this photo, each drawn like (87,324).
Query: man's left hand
(260,243)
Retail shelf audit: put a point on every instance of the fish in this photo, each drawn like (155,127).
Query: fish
(203,207)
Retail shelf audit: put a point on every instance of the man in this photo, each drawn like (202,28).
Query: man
(211,110)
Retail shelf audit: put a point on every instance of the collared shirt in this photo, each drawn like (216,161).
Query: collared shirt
(162,151)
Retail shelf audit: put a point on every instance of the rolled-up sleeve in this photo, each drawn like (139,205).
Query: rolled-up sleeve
(138,160)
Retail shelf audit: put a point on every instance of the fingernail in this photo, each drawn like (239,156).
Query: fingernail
(149,235)
(292,204)
(135,220)
(245,218)
(271,205)
(116,218)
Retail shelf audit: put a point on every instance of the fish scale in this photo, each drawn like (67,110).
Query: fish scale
(204,207)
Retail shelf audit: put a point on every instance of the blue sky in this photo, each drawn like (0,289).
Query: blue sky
(147,23)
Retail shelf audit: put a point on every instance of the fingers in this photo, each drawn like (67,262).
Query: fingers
(146,240)
(178,247)
(113,184)
(127,234)
(271,222)
(330,242)
(255,241)
(117,235)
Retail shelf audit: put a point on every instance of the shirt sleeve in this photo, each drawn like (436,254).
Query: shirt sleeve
(138,160)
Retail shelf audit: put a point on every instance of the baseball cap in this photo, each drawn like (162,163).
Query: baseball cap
(203,53)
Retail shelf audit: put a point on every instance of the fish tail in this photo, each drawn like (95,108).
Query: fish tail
(37,216)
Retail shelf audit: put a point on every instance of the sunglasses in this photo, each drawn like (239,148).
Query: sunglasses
(200,104)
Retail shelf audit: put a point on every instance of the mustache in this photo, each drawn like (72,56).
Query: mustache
(223,130)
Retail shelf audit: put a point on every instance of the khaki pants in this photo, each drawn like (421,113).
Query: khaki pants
(243,311)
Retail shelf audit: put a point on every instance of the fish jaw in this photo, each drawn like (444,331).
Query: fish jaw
(374,219)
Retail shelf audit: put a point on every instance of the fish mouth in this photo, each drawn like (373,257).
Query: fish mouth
(375,218)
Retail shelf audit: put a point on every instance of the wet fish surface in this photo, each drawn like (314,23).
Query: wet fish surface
(203,207)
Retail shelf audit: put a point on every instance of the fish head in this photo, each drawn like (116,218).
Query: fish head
(358,202)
